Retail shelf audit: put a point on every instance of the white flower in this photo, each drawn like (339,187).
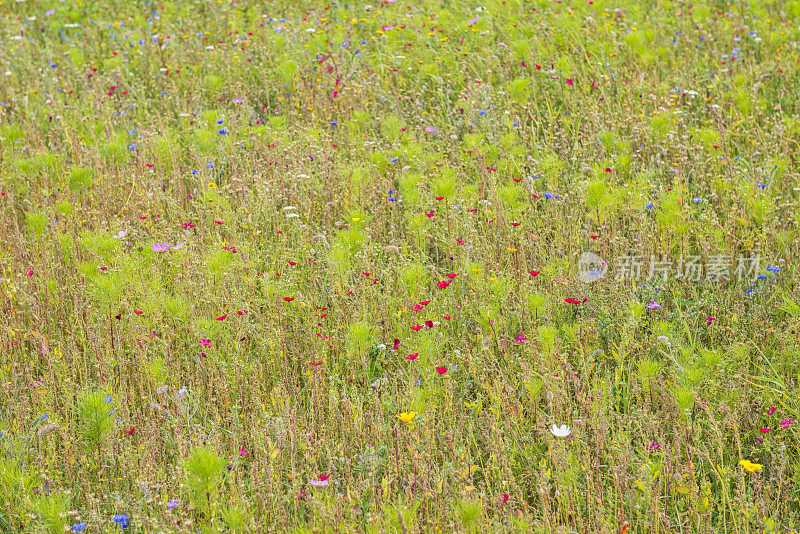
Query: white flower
(560,431)
(291,215)
(663,339)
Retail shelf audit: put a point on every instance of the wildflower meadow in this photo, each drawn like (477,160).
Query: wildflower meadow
(399,266)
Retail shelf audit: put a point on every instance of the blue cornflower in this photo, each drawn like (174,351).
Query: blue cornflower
(223,131)
(482,112)
(697,200)
(195,171)
(121,520)
(774,269)
(394,160)
(210,165)
(548,195)
(334,123)
(44,417)
(762,186)
(219,121)
(109,399)
(182,392)
(78,527)
(363,42)
(515,124)
(163,93)
(132,146)
(762,276)
(649,205)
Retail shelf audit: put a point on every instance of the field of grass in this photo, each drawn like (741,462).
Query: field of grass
(414,266)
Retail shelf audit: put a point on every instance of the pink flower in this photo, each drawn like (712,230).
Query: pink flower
(416,328)
(570,81)
(520,339)
(504,497)
(709,320)
(653,305)
(764,430)
(786,422)
(441,370)
(412,356)
(138,312)
(243,452)
(653,446)
(30,272)
(772,410)
(205,342)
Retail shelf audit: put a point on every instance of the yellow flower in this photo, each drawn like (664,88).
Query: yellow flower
(406,417)
(750,466)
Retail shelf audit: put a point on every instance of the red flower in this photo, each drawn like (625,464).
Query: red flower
(137,312)
(504,498)
(243,452)
(570,81)
(241,312)
(451,275)
(534,273)
(292,263)
(593,236)
(412,356)
(222,317)
(429,324)
(441,370)
(574,301)
(288,299)
(515,224)
(443,284)
(315,363)
(448,318)
(430,214)
(324,477)
(424,302)
(439,198)
(130,432)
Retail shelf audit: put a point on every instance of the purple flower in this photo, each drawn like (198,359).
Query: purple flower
(430,129)
(178,246)
(120,234)
(653,305)
(237,100)
(50,14)
(318,483)
(521,338)
(160,247)
(173,503)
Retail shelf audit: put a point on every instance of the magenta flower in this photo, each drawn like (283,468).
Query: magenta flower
(521,338)
(160,247)
(653,446)
(772,410)
(786,422)
(653,305)
(318,483)
(764,430)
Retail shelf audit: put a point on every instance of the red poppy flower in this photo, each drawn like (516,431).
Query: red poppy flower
(412,356)
(243,452)
(534,273)
(443,284)
(574,301)
(515,224)
(451,275)
(504,498)
(424,302)
(315,363)
(137,312)
(416,328)
(241,312)
(429,324)
(430,214)
(448,318)
(130,432)
(324,477)
(593,236)
(292,263)
(441,370)
(222,317)
(288,299)
(320,309)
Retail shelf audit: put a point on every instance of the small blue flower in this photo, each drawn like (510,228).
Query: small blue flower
(163,93)
(482,112)
(121,520)
(697,200)
(182,392)
(109,399)
(195,171)
(649,205)
(774,269)
(78,527)
(210,165)
(132,146)
(762,186)
(334,123)
(762,276)
(515,124)
(219,121)
(548,195)
(223,131)
(44,417)
(394,160)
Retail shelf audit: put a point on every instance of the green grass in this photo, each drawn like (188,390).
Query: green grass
(316,172)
